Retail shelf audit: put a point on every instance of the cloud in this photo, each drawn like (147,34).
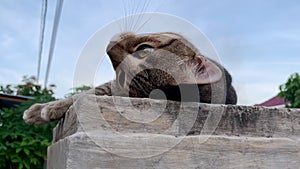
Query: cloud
(6,41)
(260,81)
(250,94)
(8,76)
(289,35)
(18,36)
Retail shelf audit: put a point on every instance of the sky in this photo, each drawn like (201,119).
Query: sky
(258,42)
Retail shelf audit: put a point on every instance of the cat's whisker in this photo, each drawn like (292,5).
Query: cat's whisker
(142,25)
(137,7)
(125,15)
(181,62)
(130,9)
(133,9)
(132,21)
(140,17)
(120,26)
(195,67)
(135,12)
(190,71)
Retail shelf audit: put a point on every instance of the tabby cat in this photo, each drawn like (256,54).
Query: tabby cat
(146,62)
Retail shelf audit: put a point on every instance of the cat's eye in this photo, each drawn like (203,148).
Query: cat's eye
(143,51)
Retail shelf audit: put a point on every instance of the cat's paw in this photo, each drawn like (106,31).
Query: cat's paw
(55,110)
(44,113)
(33,114)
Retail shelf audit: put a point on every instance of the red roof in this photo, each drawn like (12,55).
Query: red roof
(275,101)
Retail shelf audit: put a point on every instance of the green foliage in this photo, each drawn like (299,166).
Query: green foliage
(23,145)
(6,89)
(291,91)
(80,89)
(27,88)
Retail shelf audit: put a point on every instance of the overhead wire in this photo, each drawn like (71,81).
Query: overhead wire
(41,39)
(53,38)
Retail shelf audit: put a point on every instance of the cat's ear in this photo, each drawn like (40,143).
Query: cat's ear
(207,71)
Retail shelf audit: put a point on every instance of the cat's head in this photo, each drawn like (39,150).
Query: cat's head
(144,62)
